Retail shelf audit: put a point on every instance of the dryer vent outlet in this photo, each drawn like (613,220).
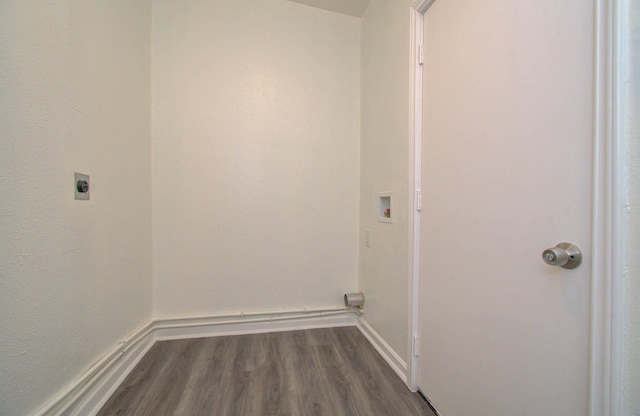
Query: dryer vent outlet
(354,299)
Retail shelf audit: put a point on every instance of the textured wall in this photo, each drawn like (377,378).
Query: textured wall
(255,155)
(75,276)
(631,116)
(384,268)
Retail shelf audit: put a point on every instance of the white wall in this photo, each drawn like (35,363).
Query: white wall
(255,156)
(631,116)
(385,166)
(74,275)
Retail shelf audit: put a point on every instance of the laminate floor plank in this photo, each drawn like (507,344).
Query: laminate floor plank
(222,391)
(275,377)
(163,398)
(368,387)
(377,375)
(308,386)
(320,372)
(134,388)
(204,387)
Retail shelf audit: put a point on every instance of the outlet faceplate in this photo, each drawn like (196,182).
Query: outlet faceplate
(80,183)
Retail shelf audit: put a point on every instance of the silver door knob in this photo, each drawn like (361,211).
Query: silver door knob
(564,255)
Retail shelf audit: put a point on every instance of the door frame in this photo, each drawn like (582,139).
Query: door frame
(607,296)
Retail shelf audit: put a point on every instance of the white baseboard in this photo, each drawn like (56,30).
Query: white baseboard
(97,396)
(268,322)
(87,394)
(390,356)
(84,394)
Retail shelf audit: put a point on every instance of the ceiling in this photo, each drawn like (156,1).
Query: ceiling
(350,7)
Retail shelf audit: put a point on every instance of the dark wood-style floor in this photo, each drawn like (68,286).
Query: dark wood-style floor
(315,372)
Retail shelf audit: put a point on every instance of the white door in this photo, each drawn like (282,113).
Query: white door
(506,173)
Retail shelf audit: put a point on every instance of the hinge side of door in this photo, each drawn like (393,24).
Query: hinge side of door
(419,200)
(421,54)
(415,345)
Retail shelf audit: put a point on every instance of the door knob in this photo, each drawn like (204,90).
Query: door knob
(564,255)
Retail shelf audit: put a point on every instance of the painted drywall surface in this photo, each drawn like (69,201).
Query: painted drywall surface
(631,117)
(385,166)
(75,276)
(350,7)
(255,156)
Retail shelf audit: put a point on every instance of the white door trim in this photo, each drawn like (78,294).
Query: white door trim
(415,182)
(607,299)
(606,356)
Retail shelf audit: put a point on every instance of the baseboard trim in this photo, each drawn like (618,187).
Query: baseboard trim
(87,394)
(253,324)
(390,356)
(92,402)
(81,396)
